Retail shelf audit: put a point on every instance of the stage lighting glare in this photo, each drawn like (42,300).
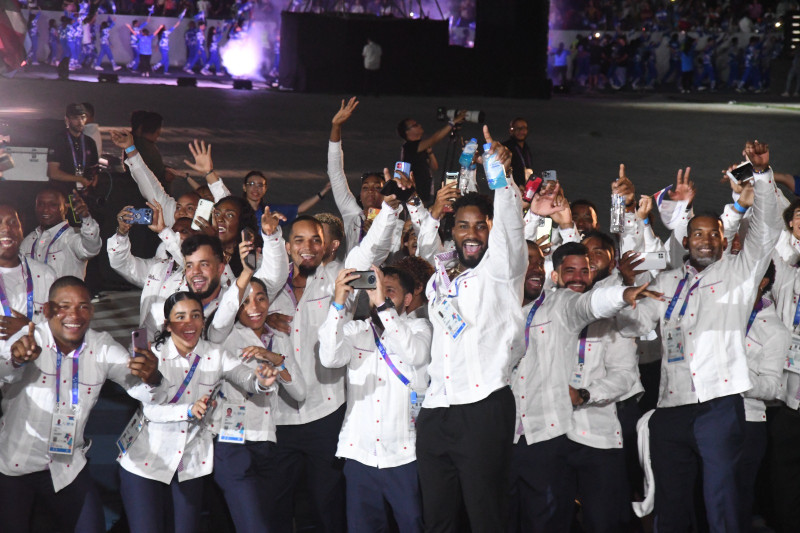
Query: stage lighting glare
(597,35)
(778,24)
(242,57)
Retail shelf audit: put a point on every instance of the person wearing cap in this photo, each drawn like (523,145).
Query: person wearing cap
(71,153)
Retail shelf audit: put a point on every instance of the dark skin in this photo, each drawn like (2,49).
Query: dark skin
(69,314)
(10,239)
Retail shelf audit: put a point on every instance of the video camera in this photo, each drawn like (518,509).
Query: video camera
(476,117)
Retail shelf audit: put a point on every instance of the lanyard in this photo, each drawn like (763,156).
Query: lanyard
(759,306)
(796,320)
(532,312)
(28,290)
(47,251)
(59,357)
(186,380)
(385,355)
(169,271)
(289,285)
(677,295)
(83,151)
(264,341)
(582,346)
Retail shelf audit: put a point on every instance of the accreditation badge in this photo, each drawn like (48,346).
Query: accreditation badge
(233,419)
(131,432)
(62,433)
(448,317)
(793,357)
(673,344)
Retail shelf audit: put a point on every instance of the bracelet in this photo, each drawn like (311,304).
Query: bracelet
(281,368)
(208,173)
(189,412)
(130,149)
(451,123)
(738,207)
(320,195)
(337,306)
(646,221)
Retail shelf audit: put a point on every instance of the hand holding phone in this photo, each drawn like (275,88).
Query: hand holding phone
(203,211)
(250,259)
(366,280)
(143,216)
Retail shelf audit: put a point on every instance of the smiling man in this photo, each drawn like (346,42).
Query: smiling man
(52,376)
(700,420)
(553,442)
(55,243)
(24,282)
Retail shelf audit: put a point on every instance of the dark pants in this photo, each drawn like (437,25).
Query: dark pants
(464,453)
(628,414)
(538,486)
(708,435)
(755,446)
(784,454)
(154,507)
(311,448)
(76,507)
(549,476)
(242,471)
(369,489)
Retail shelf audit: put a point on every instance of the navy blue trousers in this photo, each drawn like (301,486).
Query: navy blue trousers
(755,446)
(76,507)
(310,450)
(684,439)
(241,471)
(154,507)
(548,476)
(370,489)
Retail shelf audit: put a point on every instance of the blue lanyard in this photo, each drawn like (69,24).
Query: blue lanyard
(677,295)
(186,380)
(759,306)
(54,239)
(796,320)
(59,357)
(28,290)
(267,345)
(582,346)
(289,288)
(382,349)
(532,312)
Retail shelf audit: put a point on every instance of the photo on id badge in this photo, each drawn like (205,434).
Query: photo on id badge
(673,339)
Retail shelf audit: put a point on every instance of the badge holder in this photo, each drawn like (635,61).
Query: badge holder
(673,343)
(233,423)
(416,397)
(793,357)
(449,318)
(62,431)
(131,432)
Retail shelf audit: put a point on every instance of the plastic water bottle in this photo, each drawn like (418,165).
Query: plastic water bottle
(468,155)
(495,172)
(617,213)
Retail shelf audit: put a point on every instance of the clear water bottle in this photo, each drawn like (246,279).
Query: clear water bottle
(495,172)
(468,155)
(617,213)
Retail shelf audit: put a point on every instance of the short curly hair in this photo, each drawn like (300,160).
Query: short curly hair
(481,201)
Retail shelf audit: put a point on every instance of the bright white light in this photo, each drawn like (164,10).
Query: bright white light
(597,35)
(242,57)
(778,24)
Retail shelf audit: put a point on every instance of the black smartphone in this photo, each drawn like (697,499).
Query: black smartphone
(366,280)
(741,173)
(391,187)
(250,259)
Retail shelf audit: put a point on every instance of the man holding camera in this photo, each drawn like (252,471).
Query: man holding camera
(415,151)
(55,243)
(520,151)
(72,156)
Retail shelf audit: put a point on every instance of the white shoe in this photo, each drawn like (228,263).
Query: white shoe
(205,72)
(98,67)
(785,94)
(116,67)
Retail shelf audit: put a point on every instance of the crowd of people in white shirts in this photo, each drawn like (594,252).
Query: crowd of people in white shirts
(490,379)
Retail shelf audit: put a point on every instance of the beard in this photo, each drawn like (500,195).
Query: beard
(212,286)
(469,262)
(307,271)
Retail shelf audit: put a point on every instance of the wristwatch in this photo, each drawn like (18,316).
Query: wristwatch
(415,200)
(584,394)
(385,305)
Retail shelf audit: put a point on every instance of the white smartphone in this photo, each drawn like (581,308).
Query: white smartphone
(742,173)
(652,261)
(204,209)
(545,228)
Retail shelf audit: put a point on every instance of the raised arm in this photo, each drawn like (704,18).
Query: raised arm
(88,242)
(201,152)
(118,246)
(344,198)
(274,269)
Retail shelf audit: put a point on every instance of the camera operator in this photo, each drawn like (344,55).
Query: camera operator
(72,154)
(415,150)
(520,151)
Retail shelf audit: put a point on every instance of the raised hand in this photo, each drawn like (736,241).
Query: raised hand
(503,153)
(758,155)
(25,349)
(122,138)
(645,207)
(280,322)
(444,200)
(270,221)
(547,203)
(376,295)
(201,152)
(342,290)
(562,218)
(124,220)
(684,189)
(345,112)
(632,294)
(624,187)
(627,267)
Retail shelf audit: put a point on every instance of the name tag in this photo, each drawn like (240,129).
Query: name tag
(673,344)
(793,357)
(62,433)
(447,316)
(131,432)
(233,418)
(577,377)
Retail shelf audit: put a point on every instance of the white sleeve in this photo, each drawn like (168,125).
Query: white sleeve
(133,269)
(151,188)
